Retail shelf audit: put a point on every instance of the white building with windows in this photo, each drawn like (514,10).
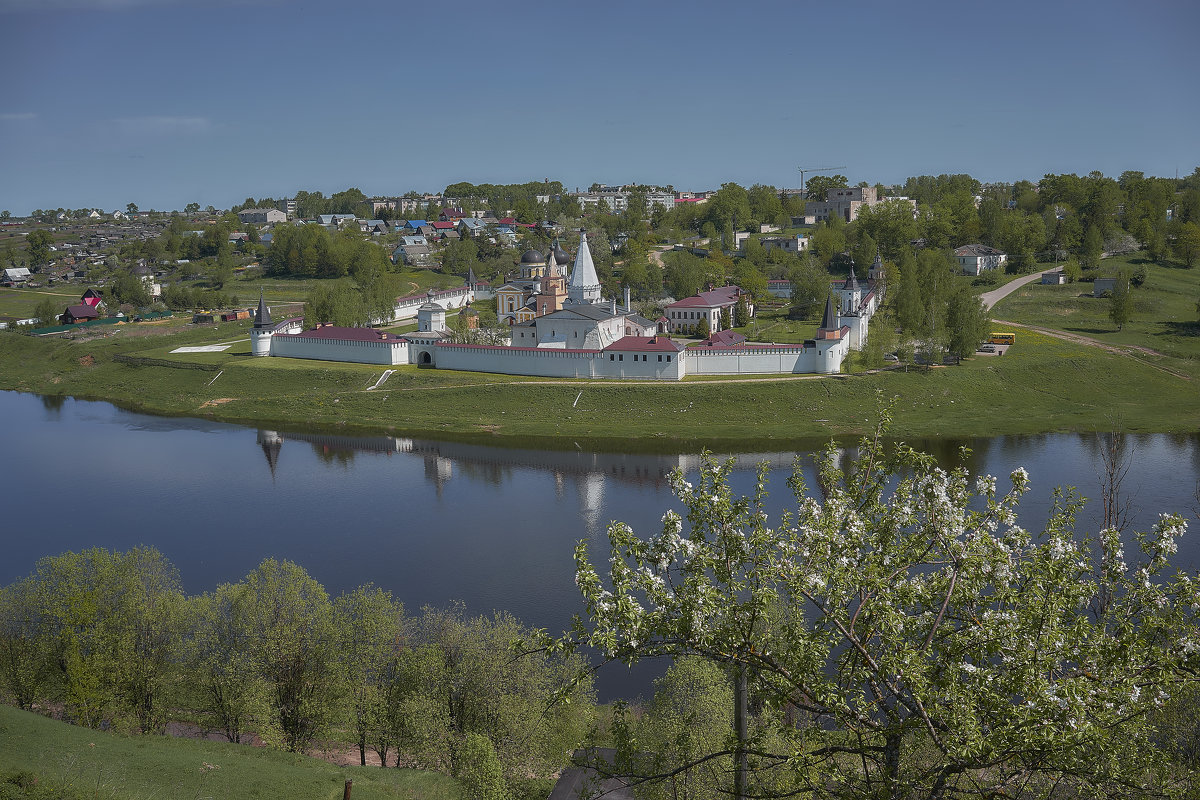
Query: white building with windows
(975,259)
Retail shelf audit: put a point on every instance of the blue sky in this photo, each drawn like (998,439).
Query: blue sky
(165,102)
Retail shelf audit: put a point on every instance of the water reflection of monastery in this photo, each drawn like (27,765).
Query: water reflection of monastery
(588,471)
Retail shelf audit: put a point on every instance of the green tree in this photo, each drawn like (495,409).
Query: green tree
(816,187)
(37,247)
(479,769)
(1187,243)
(1120,305)
(290,620)
(944,649)
(131,208)
(368,624)
(25,654)
(703,329)
(46,313)
(741,313)
(1093,248)
(191,208)
(810,286)
(221,657)
(688,719)
(967,322)
(115,620)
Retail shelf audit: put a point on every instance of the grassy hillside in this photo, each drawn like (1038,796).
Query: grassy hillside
(1163,319)
(71,762)
(1041,385)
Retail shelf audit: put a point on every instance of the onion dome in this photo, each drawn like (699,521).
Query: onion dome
(532,256)
(561,257)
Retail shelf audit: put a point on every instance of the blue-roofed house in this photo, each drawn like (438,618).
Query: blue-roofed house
(415,224)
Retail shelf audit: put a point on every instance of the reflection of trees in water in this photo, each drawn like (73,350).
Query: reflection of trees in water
(53,402)
(340,456)
(489,473)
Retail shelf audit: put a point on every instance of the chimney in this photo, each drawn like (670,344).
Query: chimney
(614,306)
(627,306)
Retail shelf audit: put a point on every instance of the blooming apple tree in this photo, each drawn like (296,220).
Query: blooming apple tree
(903,636)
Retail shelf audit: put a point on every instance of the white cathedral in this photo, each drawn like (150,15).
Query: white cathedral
(584,336)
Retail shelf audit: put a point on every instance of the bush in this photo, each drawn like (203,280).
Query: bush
(479,769)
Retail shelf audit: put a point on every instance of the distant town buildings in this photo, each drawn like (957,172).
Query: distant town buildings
(847,202)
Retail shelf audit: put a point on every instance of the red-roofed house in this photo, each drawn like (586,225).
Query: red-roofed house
(79,313)
(684,315)
(92,298)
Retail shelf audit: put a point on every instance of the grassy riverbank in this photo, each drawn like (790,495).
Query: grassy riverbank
(73,762)
(1042,385)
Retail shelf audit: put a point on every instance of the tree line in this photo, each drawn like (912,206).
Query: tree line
(112,640)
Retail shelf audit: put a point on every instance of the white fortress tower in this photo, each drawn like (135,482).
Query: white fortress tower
(431,317)
(261,333)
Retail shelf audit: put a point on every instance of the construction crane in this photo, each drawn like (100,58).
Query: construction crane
(804,170)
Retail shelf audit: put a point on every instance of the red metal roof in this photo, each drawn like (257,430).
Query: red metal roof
(348,334)
(646,344)
(725,296)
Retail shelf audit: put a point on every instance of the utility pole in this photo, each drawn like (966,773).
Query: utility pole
(806,170)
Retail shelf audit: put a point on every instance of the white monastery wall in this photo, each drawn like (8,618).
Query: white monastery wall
(336,350)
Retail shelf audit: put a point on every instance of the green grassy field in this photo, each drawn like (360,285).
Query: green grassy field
(1164,316)
(71,762)
(1042,385)
(22,302)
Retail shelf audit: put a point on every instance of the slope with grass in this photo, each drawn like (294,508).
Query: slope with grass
(72,762)
(1164,320)
(1042,385)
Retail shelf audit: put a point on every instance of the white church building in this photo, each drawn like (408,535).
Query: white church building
(589,337)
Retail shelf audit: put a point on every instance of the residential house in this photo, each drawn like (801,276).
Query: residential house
(451,214)
(471,227)
(976,258)
(16,275)
(92,298)
(79,313)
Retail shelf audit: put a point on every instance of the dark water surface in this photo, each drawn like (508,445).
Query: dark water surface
(433,522)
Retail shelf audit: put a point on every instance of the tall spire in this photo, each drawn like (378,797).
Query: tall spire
(262,317)
(584,286)
(829,321)
(851,282)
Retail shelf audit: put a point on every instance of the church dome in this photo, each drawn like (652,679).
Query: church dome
(561,257)
(532,256)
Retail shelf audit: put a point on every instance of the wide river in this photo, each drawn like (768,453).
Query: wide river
(433,522)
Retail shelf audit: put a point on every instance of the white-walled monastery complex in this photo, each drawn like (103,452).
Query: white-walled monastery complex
(562,328)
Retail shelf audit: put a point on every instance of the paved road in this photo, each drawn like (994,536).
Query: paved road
(996,295)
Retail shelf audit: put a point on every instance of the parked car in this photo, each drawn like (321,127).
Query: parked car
(987,348)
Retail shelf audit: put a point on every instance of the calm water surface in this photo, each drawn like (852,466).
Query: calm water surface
(434,522)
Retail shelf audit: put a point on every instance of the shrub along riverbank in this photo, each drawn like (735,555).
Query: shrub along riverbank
(1042,385)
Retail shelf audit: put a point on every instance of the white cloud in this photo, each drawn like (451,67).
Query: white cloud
(17,116)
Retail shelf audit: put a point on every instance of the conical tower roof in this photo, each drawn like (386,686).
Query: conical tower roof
(829,321)
(262,316)
(851,283)
(584,286)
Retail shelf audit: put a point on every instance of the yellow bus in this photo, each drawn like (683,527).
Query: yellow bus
(1002,338)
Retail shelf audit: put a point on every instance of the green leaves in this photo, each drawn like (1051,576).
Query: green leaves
(935,640)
